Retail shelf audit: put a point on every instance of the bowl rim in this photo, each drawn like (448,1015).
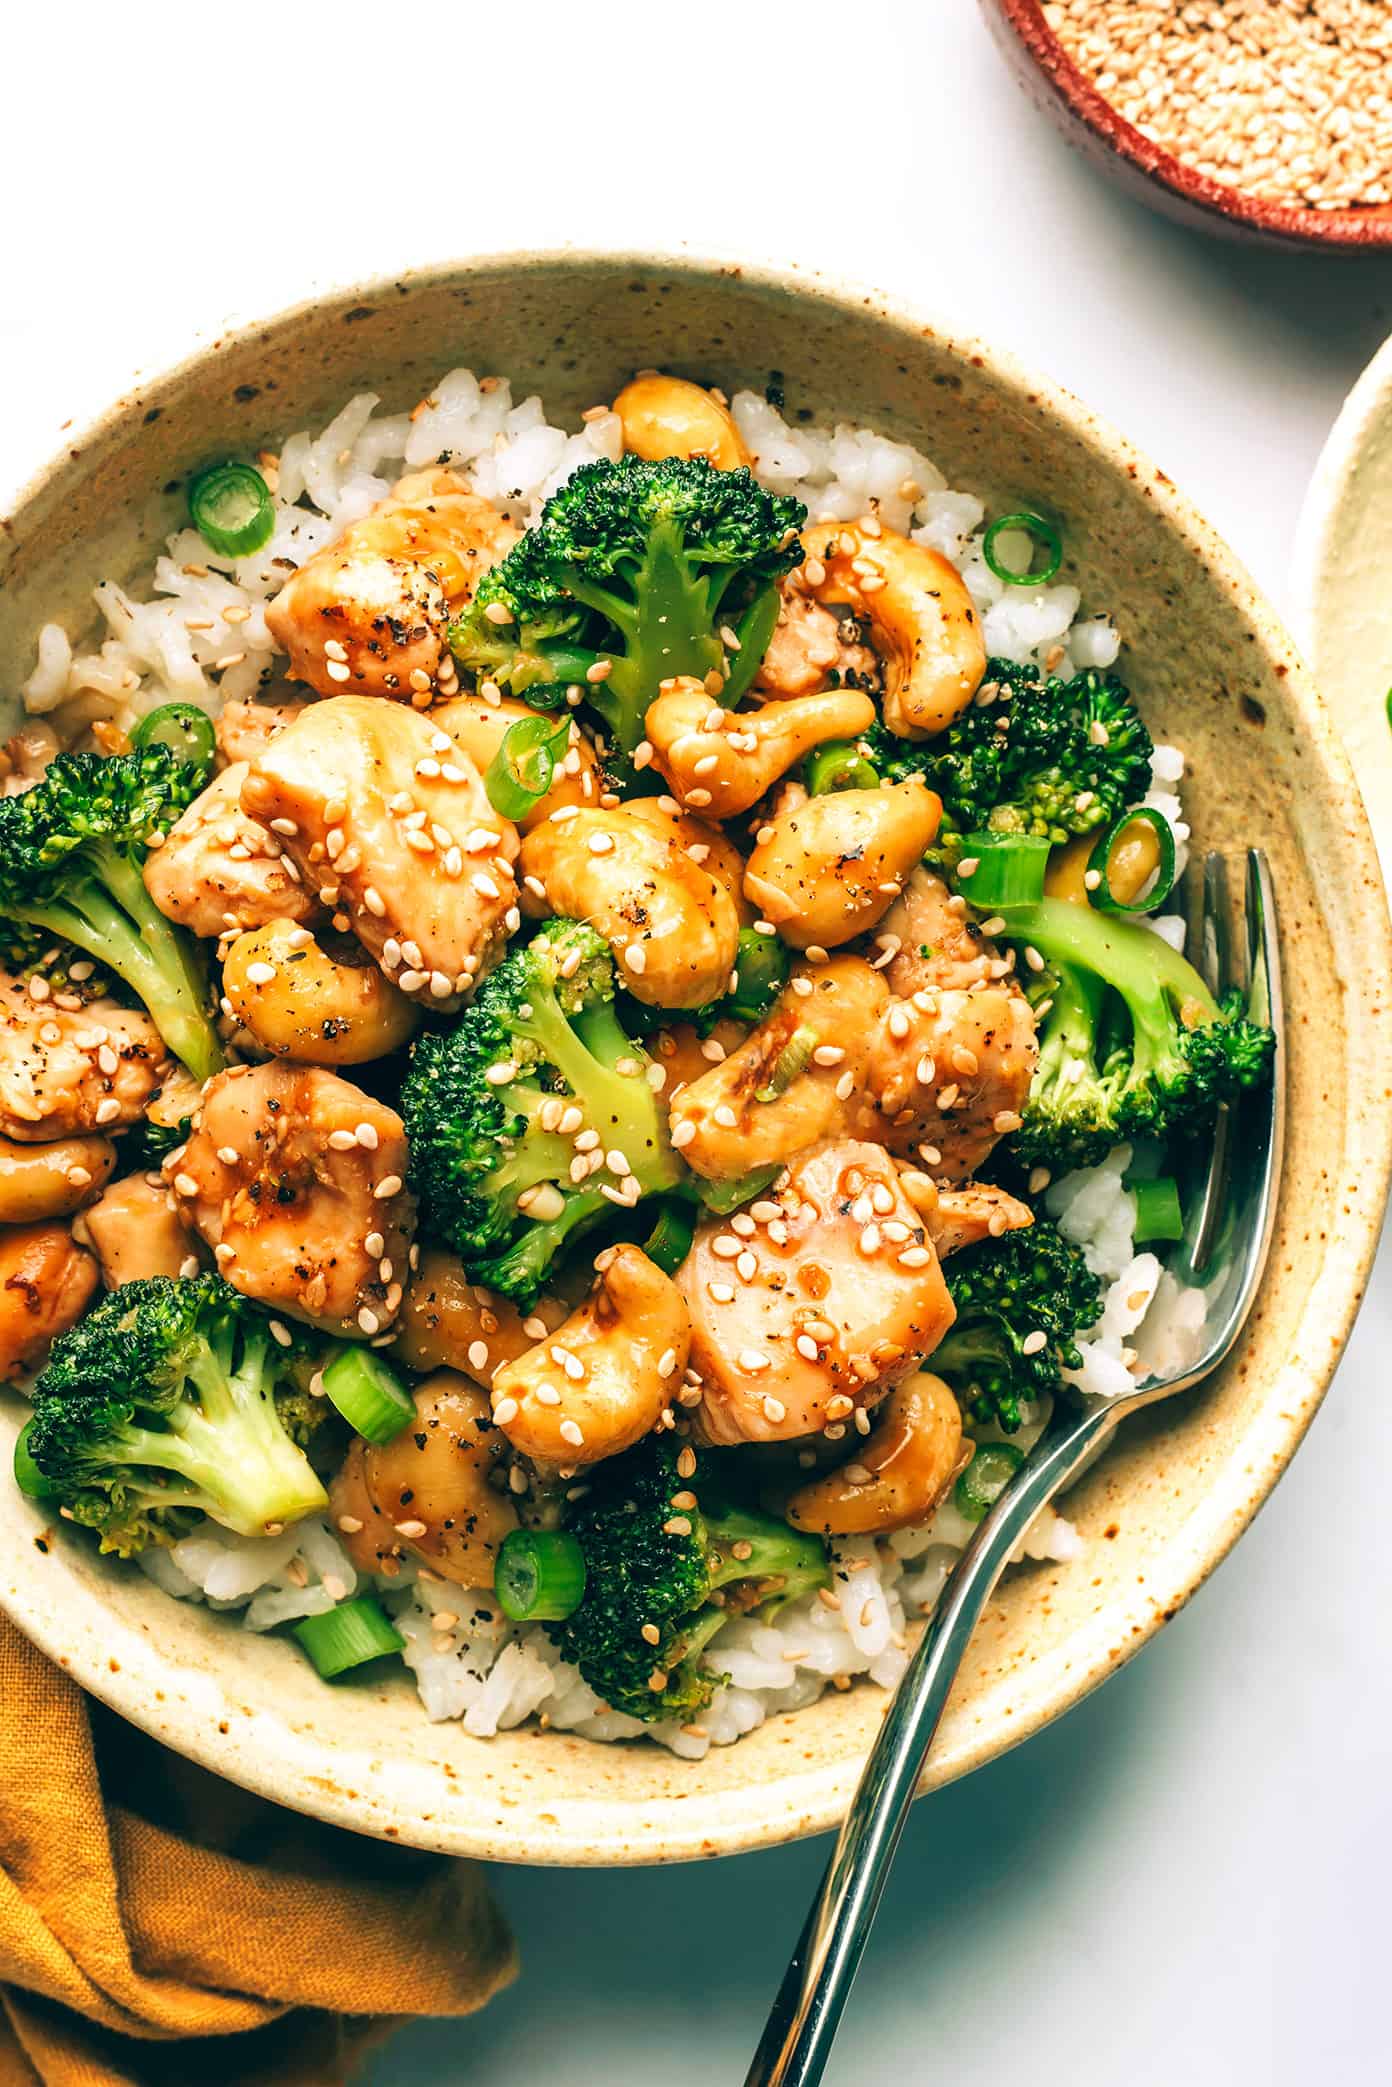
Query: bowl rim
(1359,228)
(815,1800)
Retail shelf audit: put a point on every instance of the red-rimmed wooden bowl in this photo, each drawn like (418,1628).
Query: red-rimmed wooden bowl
(1052,80)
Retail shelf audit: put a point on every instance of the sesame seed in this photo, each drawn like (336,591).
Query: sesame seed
(774,1409)
(600,671)
(915,1257)
(411,1530)
(725,1116)
(373,900)
(368,1320)
(635,957)
(505,1412)
(184,1184)
(389,1185)
(682,1134)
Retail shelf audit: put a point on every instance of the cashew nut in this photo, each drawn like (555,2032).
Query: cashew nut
(725,760)
(447,1322)
(793,1080)
(898,1473)
(600,1382)
(430,1491)
(829,869)
(319,999)
(673,927)
(46,1284)
(920,614)
(1132,861)
(708,845)
(135,1231)
(669,417)
(39,1181)
(477,728)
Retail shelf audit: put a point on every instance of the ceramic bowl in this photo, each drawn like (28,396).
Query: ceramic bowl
(1214,671)
(1342,585)
(1154,176)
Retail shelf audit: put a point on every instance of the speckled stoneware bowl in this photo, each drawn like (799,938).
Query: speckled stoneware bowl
(1215,672)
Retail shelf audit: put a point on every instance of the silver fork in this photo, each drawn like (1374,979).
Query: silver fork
(1232,1213)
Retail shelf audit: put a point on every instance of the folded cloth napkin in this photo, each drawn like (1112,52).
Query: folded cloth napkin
(158,1926)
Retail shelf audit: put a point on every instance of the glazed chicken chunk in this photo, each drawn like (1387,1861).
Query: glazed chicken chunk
(935,941)
(46,1284)
(808,642)
(219,870)
(369,613)
(296,1180)
(66,1070)
(814,1302)
(390,824)
(244,730)
(950,1073)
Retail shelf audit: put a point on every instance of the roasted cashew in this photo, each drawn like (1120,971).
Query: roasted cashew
(600,1382)
(708,845)
(672,925)
(39,1181)
(1132,861)
(430,1490)
(319,999)
(135,1231)
(794,1079)
(449,1323)
(897,1474)
(669,417)
(723,761)
(477,728)
(830,869)
(920,614)
(46,1284)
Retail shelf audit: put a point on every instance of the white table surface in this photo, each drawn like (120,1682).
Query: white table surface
(1182,1881)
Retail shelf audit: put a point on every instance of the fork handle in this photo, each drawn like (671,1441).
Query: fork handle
(797,2040)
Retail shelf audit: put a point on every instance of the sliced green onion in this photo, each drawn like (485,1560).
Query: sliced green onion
(839,765)
(183,728)
(986,1478)
(232,510)
(754,631)
(761,971)
(721,1197)
(1042,534)
(519,775)
(669,1241)
(1163,883)
(369,1394)
(540,1575)
(348,1635)
(790,1064)
(1008,869)
(1158,1215)
(28,1476)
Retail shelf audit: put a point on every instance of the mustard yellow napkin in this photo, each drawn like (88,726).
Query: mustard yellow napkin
(158,1926)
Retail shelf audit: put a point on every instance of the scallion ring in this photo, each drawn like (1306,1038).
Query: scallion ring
(1159,886)
(986,1477)
(520,773)
(1158,1212)
(232,510)
(1007,869)
(839,765)
(369,1394)
(539,1576)
(1042,534)
(28,1476)
(185,729)
(347,1636)
(669,1241)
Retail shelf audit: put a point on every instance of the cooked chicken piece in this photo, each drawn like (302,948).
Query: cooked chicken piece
(795,1079)
(389,822)
(433,1492)
(295,1179)
(939,944)
(685,1055)
(244,730)
(218,869)
(479,727)
(808,644)
(827,1297)
(950,1072)
(135,1231)
(449,1323)
(66,1070)
(25,756)
(970,1213)
(369,613)
(46,1284)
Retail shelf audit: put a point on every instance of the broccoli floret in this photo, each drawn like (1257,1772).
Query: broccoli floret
(1132,1045)
(482,1101)
(635,567)
(172,1399)
(1006,1290)
(655,1566)
(72,849)
(1047,757)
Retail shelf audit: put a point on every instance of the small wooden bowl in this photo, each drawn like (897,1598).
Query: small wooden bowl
(1058,86)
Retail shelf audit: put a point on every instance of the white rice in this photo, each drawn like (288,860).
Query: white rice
(173,640)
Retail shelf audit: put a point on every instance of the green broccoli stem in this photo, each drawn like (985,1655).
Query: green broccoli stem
(1153,979)
(584,1049)
(667,624)
(235,1445)
(111,916)
(768,1550)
